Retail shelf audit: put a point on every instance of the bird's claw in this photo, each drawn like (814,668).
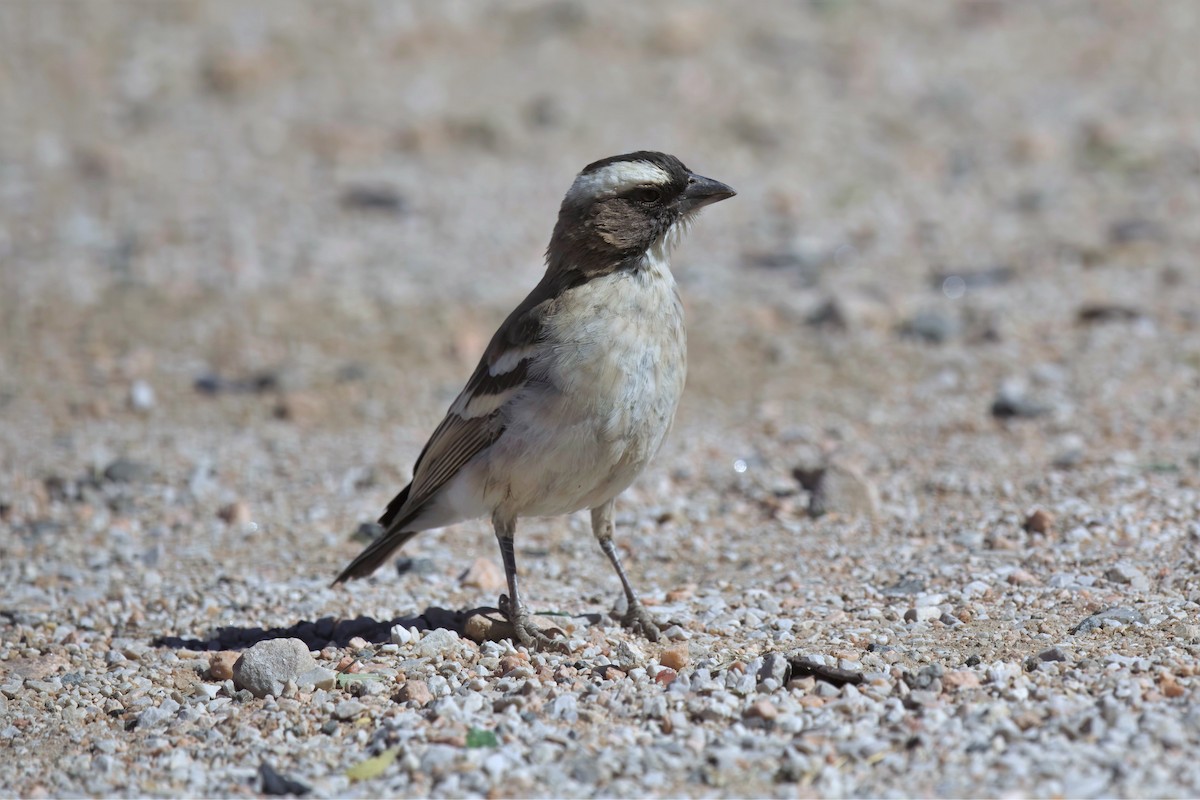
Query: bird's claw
(527,633)
(638,620)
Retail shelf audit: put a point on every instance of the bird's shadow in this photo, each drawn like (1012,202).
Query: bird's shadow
(324,632)
(332,632)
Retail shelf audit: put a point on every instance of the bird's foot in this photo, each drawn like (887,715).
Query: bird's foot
(638,620)
(527,632)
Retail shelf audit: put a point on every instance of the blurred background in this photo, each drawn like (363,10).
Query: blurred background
(230,227)
(942,408)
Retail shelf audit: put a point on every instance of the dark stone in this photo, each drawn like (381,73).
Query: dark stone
(259,383)
(932,326)
(905,586)
(1135,229)
(829,315)
(1052,654)
(209,384)
(373,198)
(368,532)
(802,667)
(1107,312)
(125,470)
(1121,613)
(1010,403)
(793,769)
(273,784)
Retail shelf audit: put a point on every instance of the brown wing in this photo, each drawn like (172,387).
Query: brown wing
(474,421)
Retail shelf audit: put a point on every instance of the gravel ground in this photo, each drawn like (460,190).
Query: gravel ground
(927,524)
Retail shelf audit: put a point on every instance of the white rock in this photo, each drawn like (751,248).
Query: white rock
(628,655)
(439,643)
(317,678)
(267,666)
(1126,573)
(141,396)
(348,709)
(922,614)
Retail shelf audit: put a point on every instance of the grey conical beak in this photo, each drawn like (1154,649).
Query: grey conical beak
(702,191)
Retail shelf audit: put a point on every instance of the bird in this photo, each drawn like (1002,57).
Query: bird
(578,388)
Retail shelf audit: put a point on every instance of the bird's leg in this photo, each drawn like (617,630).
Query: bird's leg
(636,617)
(510,604)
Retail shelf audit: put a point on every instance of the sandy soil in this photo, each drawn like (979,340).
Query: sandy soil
(249,253)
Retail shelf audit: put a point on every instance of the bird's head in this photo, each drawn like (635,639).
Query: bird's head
(622,207)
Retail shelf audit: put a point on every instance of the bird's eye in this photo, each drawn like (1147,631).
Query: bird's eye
(647,195)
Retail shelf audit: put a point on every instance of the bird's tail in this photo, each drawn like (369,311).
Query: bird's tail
(374,555)
(393,538)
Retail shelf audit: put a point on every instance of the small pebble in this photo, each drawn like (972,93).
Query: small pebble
(665,676)
(220,665)
(675,657)
(960,679)
(125,470)
(415,692)
(1126,574)
(1109,617)
(1040,521)
(1052,654)
(922,614)
(264,668)
(349,709)
(484,574)
(1019,577)
(761,709)
(141,396)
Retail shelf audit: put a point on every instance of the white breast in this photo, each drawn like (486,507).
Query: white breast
(613,372)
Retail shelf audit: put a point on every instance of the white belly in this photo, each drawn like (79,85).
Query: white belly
(604,405)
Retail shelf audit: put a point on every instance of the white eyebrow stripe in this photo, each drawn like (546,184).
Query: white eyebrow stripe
(615,178)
